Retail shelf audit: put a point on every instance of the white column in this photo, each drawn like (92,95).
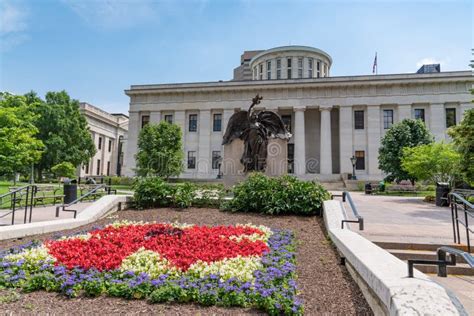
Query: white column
(180,120)
(437,121)
(404,112)
(465,107)
(373,139)
(300,151)
(346,127)
(155,117)
(131,145)
(325,156)
(204,151)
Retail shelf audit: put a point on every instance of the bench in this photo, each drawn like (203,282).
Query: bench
(43,193)
(374,187)
(18,197)
(464,193)
(86,188)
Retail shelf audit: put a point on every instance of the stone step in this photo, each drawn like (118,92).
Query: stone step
(459,269)
(418,246)
(418,254)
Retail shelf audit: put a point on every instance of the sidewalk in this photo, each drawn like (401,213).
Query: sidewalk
(40,214)
(403,219)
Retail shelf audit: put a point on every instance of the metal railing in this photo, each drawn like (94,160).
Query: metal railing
(460,203)
(346,197)
(92,192)
(15,197)
(442,262)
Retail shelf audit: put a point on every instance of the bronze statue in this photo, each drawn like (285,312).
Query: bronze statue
(255,128)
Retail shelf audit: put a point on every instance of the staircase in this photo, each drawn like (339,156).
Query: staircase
(405,251)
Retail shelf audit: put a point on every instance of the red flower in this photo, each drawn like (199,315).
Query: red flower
(107,247)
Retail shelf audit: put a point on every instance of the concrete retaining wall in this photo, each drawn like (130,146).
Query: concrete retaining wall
(100,208)
(387,288)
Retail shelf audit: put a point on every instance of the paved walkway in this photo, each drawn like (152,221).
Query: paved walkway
(40,214)
(411,220)
(403,219)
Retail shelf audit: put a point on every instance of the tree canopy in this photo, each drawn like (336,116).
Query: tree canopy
(64,169)
(160,150)
(19,147)
(463,140)
(407,133)
(436,162)
(63,130)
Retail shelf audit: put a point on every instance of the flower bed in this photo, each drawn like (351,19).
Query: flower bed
(241,265)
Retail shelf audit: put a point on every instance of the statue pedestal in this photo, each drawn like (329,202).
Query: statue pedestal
(233,170)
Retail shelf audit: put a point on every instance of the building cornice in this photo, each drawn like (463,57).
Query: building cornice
(366,80)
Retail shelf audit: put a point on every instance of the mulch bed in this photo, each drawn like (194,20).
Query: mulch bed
(326,286)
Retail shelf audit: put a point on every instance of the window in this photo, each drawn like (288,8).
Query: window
(420,114)
(260,71)
(145,120)
(269,69)
(99,146)
(169,118)
(287,122)
(318,69)
(191,160)
(216,156)
(310,68)
(217,123)
(192,122)
(360,161)
(255,73)
(108,168)
(98,167)
(110,145)
(387,119)
(291,158)
(288,63)
(278,68)
(300,67)
(87,168)
(450,117)
(358,119)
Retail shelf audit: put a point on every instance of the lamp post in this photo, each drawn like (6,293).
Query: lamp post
(353,161)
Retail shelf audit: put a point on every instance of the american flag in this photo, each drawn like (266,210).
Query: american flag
(374,68)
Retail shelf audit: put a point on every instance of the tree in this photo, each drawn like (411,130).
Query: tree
(64,169)
(436,162)
(19,147)
(463,140)
(160,150)
(63,129)
(407,133)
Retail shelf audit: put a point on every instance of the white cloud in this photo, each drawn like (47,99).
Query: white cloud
(13,24)
(112,14)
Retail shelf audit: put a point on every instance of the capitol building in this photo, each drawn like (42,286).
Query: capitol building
(330,118)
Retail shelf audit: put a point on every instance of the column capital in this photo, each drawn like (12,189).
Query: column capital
(299,108)
(325,108)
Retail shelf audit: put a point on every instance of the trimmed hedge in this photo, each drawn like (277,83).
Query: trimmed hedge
(277,196)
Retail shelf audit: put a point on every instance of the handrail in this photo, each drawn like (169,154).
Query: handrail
(441,261)
(360,220)
(64,206)
(13,201)
(457,201)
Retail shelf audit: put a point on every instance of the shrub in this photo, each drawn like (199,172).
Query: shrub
(277,196)
(152,192)
(64,169)
(156,192)
(115,180)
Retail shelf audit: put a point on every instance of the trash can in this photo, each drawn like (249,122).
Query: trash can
(368,188)
(382,186)
(442,191)
(70,191)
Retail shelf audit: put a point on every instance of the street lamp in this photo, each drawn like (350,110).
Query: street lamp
(353,161)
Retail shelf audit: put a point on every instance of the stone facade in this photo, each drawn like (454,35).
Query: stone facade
(331,118)
(109,132)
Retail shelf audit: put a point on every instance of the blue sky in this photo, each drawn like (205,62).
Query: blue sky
(95,49)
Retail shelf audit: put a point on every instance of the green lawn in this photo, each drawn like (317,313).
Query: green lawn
(406,193)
